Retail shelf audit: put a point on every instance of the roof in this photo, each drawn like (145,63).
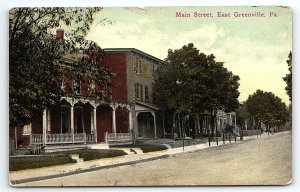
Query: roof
(149,105)
(135,51)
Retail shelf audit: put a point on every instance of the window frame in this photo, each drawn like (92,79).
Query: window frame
(146,93)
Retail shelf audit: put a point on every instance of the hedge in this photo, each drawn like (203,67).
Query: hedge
(145,148)
(91,154)
(31,162)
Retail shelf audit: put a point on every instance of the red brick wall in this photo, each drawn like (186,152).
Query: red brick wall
(68,82)
(37,124)
(87,120)
(84,86)
(121,120)
(55,119)
(22,140)
(104,122)
(116,63)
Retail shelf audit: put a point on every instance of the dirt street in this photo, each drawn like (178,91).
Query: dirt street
(263,161)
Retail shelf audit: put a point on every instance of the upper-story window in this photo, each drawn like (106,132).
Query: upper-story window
(136,65)
(137,90)
(141,93)
(146,93)
(62,86)
(76,84)
(91,86)
(140,67)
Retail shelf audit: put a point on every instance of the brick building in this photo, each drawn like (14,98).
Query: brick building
(82,119)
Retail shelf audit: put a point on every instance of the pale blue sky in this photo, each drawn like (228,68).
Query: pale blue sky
(254,48)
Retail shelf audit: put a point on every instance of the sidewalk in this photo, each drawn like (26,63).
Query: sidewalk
(23,176)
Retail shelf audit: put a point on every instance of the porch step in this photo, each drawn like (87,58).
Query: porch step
(98,146)
(76,157)
(59,148)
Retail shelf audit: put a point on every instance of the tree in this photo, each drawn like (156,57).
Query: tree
(242,116)
(288,77)
(267,108)
(35,57)
(192,82)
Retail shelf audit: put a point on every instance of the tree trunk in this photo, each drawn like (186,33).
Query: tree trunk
(174,125)
(200,126)
(212,125)
(179,127)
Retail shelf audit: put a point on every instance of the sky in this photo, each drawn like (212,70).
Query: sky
(255,48)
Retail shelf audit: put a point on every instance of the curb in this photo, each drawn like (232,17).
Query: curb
(27,180)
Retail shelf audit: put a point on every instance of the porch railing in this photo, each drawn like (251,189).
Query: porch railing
(118,137)
(37,139)
(90,138)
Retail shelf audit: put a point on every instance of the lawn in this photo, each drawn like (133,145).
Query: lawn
(60,158)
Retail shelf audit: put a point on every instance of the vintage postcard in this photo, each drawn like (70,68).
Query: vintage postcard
(150,96)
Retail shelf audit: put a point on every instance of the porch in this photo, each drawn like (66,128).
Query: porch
(63,138)
(81,121)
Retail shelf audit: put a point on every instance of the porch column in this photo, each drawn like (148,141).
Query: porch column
(95,123)
(114,122)
(44,127)
(72,122)
(154,118)
(130,121)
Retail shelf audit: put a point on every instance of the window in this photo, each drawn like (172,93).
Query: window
(76,85)
(62,83)
(153,70)
(91,86)
(146,93)
(141,92)
(140,67)
(137,90)
(145,70)
(135,65)
(27,129)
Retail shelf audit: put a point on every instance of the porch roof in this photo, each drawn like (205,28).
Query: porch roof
(148,105)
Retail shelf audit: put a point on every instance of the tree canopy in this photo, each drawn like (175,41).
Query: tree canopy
(241,115)
(193,82)
(288,77)
(267,108)
(35,55)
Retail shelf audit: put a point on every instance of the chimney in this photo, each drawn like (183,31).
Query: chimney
(59,34)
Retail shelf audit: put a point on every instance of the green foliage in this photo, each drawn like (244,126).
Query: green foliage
(241,115)
(192,82)
(146,148)
(229,128)
(32,162)
(35,57)
(288,77)
(267,108)
(92,154)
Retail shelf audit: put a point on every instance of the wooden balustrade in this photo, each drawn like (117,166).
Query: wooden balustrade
(118,137)
(90,138)
(36,139)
